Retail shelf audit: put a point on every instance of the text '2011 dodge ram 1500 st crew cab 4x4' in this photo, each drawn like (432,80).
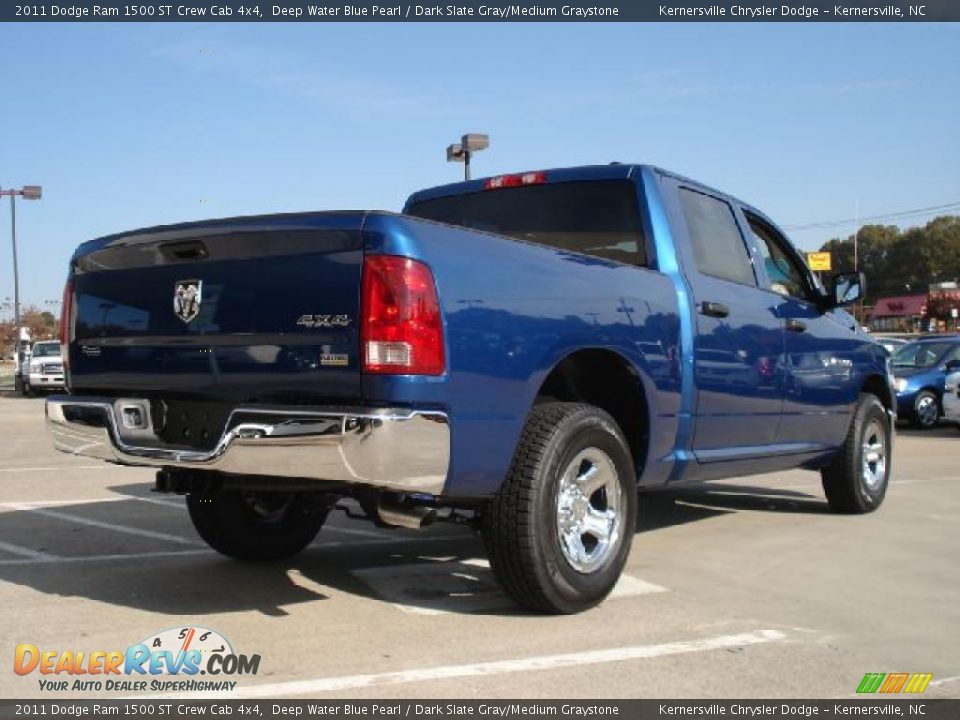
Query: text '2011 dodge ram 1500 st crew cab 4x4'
(531,348)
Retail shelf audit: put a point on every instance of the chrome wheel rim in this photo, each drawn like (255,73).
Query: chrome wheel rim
(927,410)
(589,510)
(874,456)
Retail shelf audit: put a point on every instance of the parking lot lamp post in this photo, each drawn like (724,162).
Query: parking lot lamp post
(464,150)
(27,192)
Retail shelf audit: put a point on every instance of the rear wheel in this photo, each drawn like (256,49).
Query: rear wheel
(856,481)
(258,526)
(559,531)
(926,410)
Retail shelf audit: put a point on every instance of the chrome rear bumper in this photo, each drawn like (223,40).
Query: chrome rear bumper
(397,449)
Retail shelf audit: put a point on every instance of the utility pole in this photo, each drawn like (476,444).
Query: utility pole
(16,272)
(27,192)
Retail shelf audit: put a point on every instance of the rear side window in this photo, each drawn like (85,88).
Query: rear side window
(597,217)
(718,246)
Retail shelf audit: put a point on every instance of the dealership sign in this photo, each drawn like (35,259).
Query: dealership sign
(819,261)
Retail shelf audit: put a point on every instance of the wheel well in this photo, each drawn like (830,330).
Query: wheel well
(604,379)
(877,385)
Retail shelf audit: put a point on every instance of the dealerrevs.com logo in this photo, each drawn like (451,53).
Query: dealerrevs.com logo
(169,661)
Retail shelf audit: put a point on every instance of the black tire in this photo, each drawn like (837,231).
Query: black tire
(921,419)
(257,526)
(845,481)
(521,524)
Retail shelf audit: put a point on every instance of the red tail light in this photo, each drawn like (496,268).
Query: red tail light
(401,329)
(506,181)
(66,313)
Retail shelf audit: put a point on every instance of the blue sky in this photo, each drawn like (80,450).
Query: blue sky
(133,125)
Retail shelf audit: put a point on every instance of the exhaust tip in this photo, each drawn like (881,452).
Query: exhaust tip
(404,513)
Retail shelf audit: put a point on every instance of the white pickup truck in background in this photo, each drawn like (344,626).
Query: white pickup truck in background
(44,369)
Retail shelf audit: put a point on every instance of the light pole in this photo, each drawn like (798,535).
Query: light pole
(464,150)
(27,192)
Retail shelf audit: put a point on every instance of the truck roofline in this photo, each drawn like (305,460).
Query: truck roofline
(615,171)
(612,171)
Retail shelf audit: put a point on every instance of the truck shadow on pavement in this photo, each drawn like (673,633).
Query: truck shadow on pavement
(141,553)
(719,497)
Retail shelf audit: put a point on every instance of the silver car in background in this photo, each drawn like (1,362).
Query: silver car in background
(951,399)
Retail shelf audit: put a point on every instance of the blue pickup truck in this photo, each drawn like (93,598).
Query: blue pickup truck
(525,352)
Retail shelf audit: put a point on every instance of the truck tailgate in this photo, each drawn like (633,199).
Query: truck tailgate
(247,310)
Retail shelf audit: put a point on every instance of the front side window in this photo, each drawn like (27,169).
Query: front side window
(787,278)
(718,246)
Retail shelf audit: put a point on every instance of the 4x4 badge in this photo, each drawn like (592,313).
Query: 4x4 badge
(186,299)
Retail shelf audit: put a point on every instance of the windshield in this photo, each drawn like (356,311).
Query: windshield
(46,350)
(921,355)
(596,217)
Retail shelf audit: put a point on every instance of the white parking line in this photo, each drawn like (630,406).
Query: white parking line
(458,586)
(487,669)
(58,503)
(52,469)
(93,501)
(945,681)
(33,555)
(57,559)
(389,541)
(176,505)
(354,531)
(100,524)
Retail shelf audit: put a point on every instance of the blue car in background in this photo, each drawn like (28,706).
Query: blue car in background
(921,369)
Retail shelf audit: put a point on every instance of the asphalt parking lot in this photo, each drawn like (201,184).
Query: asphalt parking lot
(737,589)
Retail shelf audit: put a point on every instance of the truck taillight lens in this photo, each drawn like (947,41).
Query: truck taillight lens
(401,329)
(66,312)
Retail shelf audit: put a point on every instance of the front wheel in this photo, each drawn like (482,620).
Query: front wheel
(856,481)
(558,532)
(257,526)
(926,410)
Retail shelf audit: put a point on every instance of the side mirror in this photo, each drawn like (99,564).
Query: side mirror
(847,288)
(952,366)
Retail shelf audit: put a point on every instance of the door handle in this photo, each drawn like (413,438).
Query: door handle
(714,309)
(796,325)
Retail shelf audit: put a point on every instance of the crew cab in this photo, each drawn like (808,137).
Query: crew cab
(528,351)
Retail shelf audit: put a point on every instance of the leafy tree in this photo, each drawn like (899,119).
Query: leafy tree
(42,326)
(940,307)
(901,262)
